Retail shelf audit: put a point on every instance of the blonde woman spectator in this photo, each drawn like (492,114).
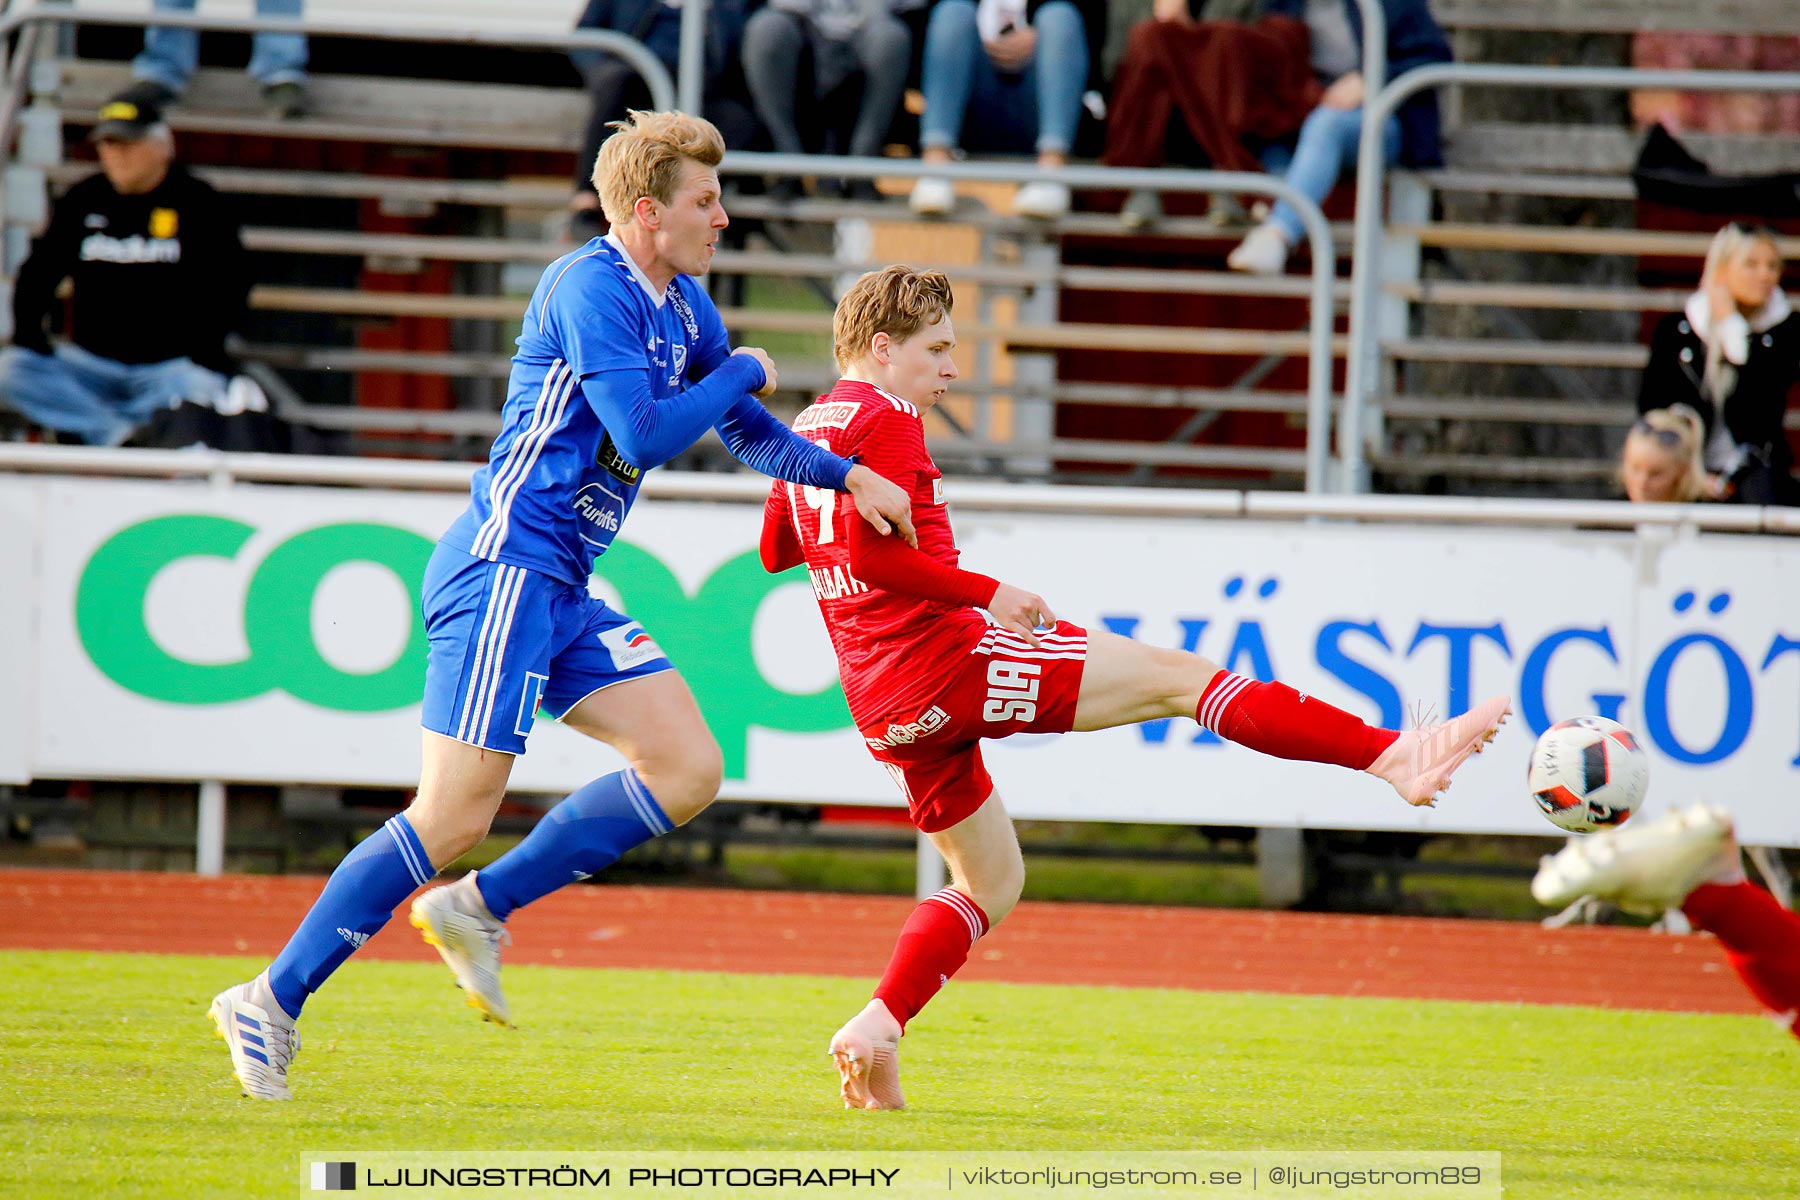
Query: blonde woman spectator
(1661,462)
(1732,355)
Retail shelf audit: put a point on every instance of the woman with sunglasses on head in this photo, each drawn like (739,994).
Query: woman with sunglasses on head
(1731,355)
(1661,462)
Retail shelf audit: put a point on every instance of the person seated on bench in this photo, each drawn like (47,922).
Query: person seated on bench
(1328,141)
(159,277)
(1731,355)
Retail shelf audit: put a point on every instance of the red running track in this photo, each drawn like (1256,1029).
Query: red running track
(806,934)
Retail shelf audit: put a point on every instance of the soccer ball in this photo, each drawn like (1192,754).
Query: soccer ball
(1588,773)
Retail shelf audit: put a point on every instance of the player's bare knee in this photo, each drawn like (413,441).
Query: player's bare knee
(996,892)
(686,787)
(447,832)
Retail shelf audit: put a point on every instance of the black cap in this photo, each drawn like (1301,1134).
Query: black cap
(126,120)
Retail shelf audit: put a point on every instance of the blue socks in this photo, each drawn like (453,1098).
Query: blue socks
(581,836)
(358,900)
(584,834)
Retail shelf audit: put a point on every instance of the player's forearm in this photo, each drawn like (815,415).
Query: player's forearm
(893,566)
(759,441)
(651,432)
(779,548)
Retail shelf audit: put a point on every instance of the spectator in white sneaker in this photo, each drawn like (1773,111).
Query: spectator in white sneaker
(1732,355)
(1006,77)
(1327,144)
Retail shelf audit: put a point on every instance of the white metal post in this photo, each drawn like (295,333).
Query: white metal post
(209,832)
(930,876)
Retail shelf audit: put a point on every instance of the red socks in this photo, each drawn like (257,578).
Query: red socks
(1277,720)
(1761,938)
(934,943)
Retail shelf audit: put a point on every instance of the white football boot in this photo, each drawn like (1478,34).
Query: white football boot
(455,921)
(1646,868)
(261,1038)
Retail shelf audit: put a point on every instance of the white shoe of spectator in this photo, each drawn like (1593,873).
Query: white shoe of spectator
(1263,252)
(932,197)
(1042,200)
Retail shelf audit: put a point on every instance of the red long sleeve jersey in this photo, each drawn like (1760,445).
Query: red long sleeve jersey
(895,648)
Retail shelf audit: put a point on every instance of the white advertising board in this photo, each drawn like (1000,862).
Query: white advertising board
(254,633)
(19,528)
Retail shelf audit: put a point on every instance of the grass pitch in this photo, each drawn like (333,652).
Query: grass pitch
(111,1083)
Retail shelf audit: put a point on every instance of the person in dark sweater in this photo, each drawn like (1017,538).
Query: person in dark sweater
(1732,355)
(159,277)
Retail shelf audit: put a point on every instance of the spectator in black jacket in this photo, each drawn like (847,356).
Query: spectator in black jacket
(159,278)
(1732,355)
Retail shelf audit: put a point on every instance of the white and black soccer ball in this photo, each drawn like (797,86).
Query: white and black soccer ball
(1588,773)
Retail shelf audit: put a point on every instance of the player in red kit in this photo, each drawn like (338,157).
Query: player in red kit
(927,675)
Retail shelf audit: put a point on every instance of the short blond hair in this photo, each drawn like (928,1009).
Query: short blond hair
(644,155)
(898,301)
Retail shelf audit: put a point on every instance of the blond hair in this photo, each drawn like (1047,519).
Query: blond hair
(1728,245)
(644,157)
(898,301)
(1682,426)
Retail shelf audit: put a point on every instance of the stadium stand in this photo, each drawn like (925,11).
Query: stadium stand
(443,193)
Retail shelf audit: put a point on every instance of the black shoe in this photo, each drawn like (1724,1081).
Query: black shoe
(863,191)
(286,101)
(786,190)
(147,92)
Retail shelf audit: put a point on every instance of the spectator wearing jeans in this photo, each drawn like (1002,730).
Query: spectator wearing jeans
(1732,355)
(159,278)
(1327,145)
(831,46)
(1005,76)
(277,60)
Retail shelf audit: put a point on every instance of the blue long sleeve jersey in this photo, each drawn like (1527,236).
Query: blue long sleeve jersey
(600,393)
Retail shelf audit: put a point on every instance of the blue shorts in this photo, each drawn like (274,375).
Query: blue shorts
(507,641)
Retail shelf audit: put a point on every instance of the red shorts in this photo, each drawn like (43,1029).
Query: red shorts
(1005,686)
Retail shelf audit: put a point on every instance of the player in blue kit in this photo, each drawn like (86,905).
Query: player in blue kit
(599,394)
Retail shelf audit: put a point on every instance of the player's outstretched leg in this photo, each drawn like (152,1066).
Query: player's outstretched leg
(455,921)
(1124,682)
(1761,940)
(987,873)
(1689,858)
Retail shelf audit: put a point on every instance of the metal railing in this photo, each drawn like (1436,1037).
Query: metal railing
(1366,337)
(222,469)
(30,15)
(1162,179)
